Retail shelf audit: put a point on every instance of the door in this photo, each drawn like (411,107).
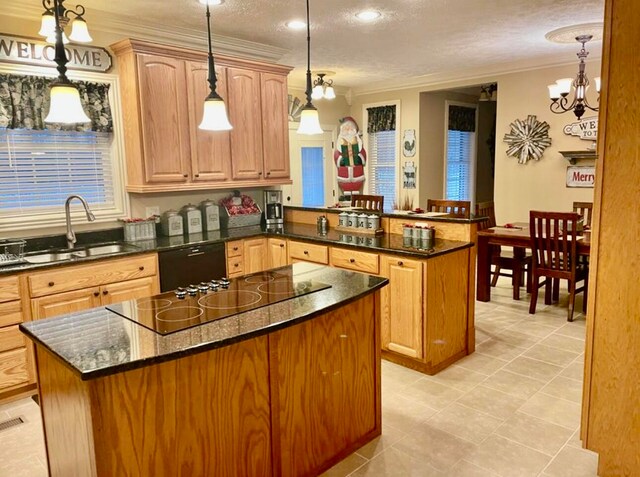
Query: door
(68,302)
(210,150)
(401,325)
(129,290)
(165,126)
(275,140)
(245,117)
(255,256)
(277,252)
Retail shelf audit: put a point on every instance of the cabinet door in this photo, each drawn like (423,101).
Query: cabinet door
(210,150)
(129,290)
(402,327)
(244,115)
(275,126)
(255,256)
(165,126)
(277,254)
(60,303)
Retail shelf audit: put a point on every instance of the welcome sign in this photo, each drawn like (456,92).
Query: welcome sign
(586,128)
(29,51)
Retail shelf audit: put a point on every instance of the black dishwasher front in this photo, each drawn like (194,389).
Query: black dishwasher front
(191,265)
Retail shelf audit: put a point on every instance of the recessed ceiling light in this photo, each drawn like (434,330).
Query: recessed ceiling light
(368,15)
(211,2)
(296,24)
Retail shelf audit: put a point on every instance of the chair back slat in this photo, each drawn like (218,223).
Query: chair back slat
(374,203)
(455,208)
(585,210)
(487,210)
(553,242)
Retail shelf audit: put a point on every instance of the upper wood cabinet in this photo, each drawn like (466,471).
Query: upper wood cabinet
(163,92)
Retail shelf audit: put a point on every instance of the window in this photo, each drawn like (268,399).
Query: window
(312,177)
(382,166)
(459,152)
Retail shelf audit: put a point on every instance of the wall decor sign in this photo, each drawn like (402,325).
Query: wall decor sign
(581,176)
(31,51)
(409,143)
(527,139)
(586,128)
(409,173)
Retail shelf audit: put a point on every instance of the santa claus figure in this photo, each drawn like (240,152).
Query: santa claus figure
(350,158)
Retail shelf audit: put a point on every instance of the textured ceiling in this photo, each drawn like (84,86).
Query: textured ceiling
(414,38)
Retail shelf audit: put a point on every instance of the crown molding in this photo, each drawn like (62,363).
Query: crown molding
(174,35)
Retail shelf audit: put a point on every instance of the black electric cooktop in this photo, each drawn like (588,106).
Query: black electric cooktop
(208,301)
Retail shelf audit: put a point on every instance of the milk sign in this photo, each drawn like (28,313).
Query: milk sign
(586,129)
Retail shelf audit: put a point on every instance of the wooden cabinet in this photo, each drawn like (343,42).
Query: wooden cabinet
(277,252)
(351,259)
(15,371)
(67,302)
(163,92)
(402,304)
(235,258)
(128,290)
(255,255)
(308,252)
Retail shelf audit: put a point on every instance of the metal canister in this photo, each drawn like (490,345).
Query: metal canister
(210,215)
(171,223)
(373,222)
(323,225)
(353,220)
(192,219)
(363,221)
(343,219)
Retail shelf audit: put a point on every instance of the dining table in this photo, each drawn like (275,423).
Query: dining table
(514,235)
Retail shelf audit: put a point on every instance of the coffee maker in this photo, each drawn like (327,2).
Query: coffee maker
(273,212)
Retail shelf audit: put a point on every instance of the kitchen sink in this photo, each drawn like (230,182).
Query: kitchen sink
(60,255)
(108,248)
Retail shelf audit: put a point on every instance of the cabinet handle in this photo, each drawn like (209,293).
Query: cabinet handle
(236,265)
(352,260)
(197,175)
(306,252)
(281,245)
(260,173)
(269,173)
(235,249)
(400,263)
(105,292)
(51,284)
(185,175)
(96,293)
(140,268)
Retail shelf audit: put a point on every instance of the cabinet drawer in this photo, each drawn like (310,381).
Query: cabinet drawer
(9,289)
(235,266)
(90,275)
(13,368)
(355,260)
(10,313)
(309,252)
(234,249)
(11,338)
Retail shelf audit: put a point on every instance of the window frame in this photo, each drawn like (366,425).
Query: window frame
(10,221)
(474,158)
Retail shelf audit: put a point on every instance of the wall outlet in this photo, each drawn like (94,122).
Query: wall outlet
(149,211)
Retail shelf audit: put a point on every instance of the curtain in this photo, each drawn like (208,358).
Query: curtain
(381,118)
(462,119)
(24,103)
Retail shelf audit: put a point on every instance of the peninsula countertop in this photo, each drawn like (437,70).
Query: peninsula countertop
(99,342)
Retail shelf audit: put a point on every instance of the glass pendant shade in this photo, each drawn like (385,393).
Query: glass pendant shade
(329,93)
(317,92)
(597,81)
(48,25)
(65,106)
(554,91)
(309,122)
(80,32)
(51,39)
(214,117)
(564,85)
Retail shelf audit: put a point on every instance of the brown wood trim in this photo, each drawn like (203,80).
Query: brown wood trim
(153,188)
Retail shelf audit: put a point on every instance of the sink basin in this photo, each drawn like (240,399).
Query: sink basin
(55,256)
(59,255)
(109,248)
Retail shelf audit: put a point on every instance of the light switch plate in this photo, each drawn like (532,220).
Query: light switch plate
(149,211)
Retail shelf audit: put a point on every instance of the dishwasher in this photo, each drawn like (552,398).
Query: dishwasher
(191,265)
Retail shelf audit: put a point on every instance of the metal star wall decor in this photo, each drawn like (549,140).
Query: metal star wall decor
(528,139)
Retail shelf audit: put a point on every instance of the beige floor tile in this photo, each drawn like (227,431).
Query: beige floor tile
(390,435)
(565,388)
(465,422)
(30,467)
(481,363)
(492,402)
(535,433)
(458,377)
(516,385)
(574,371)
(345,466)
(507,458)
(482,336)
(499,349)
(532,328)
(551,355)
(575,330)
(533,368)
(396,463)
(564,342)
(466,469)
(432,394)
(513,337)
(572,462)
(403,413)
(439,449)
(575,440)
(552,409)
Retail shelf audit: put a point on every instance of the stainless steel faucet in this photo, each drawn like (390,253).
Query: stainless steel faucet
(71,236)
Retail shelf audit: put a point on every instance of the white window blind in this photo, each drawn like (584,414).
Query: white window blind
(459,154)
(381,161)
(312,177)
(40,169)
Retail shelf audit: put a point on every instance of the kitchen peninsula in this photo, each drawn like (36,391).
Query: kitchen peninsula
(289,388)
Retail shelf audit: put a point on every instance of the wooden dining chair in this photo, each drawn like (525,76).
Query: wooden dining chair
(554,242)
(460,209)
(584,209)
(504,260)
(373,203)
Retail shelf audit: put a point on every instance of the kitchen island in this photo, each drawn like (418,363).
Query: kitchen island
(289,388)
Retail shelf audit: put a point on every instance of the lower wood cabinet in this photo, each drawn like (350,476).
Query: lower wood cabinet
(255,255)
(308,252)
(276,253)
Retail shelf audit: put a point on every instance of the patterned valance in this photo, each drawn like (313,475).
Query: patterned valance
(462,119)
(381,118)
(24,103)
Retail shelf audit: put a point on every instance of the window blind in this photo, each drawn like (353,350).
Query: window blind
(382,166)
(40,169)
(312,177)
(459,152)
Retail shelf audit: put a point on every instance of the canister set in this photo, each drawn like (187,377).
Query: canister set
(416,236)
(370,241)
(359,221)
(191,219)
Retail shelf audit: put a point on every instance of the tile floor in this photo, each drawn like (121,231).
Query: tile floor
(510,409)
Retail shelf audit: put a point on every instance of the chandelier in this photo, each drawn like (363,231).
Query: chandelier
(309,121)
(322,88)
(559,91)
(56,8)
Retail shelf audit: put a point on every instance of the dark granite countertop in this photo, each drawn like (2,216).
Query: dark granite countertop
(98,342)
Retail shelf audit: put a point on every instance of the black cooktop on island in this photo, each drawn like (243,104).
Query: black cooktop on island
(208,301)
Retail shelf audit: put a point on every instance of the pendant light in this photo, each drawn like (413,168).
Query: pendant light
(309,122)
(214,117)
(64,97)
